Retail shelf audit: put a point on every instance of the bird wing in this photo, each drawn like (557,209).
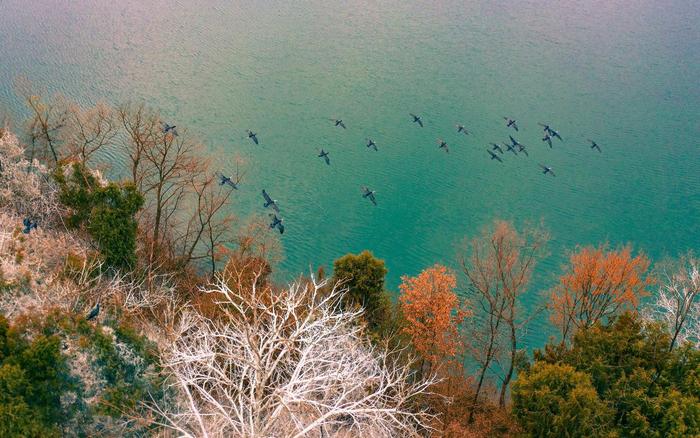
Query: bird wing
(372,198)
(515,126)
(328,160)
(267,197)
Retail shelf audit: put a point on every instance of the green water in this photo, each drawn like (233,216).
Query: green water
(624,73)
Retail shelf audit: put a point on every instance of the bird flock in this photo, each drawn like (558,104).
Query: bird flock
(496,151)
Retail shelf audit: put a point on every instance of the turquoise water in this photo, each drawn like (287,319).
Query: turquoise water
(624,73)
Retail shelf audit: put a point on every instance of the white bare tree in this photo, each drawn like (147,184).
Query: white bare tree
(289,363)
(678,300)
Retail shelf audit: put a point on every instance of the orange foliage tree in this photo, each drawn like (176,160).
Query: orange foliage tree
(433,315)
(597,284)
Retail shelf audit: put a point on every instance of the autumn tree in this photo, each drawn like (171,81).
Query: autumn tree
(597,284)
(498,265)
(433,315)
(677,302)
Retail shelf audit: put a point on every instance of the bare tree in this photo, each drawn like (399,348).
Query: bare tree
(289,363)
(89,130)
(677,303)
(48,118)
(186,218)
(498,268)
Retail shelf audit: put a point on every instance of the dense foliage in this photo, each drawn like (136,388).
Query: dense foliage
(617,379)
(107,211)
(363,275)
(33,376)
(61,373)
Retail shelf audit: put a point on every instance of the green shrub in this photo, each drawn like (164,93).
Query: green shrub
(33,375)
(107,212)
(650,390)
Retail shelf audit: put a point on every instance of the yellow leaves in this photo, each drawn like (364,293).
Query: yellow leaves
(433,313)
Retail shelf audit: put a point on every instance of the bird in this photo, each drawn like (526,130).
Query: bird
(269,202)
(277,223)
(496,147)
(338,122)
(461,128)
(226,180)
(417,119)
(546,169)
(521,147)
(93,312)
(494,156)
(169,129)
(511,148)
(369,194)
(511,123)
(515,142)
(547,139)
(252,135)
(443,145)
(324,154)
(372,144)
(28,225)
(548,130)
(594,145)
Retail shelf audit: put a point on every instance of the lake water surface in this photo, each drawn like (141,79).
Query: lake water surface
(626,73)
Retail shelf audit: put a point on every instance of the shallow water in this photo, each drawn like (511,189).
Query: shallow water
(624,73)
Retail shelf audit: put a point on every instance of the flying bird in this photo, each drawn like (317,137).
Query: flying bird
(252,135)
(511,123)
(324,154)
(338,122)
(546,169)
(521,148)
(443,145)
(269,202)
(169,129)
(28,225)
(417,119)
(369,194)
(372,144)
(462,129)
(496,147)
(594,145)
(550,131)
(277,223)
(225,180)
(494,156)
(511,148)
(93,312)
(547,139)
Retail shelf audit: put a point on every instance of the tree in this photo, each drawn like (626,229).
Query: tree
(108,210)
(677,302)
(597,284)
(286,363)
(363,275)
(433,315)
(186,218)
(651,390)
(48,118)
(498,265)
(553,400)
